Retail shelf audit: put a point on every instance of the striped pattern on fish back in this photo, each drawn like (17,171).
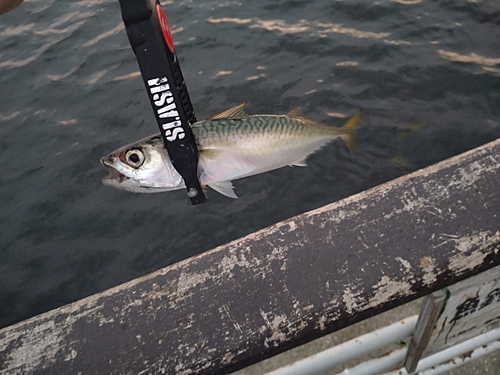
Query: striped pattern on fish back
(258,126)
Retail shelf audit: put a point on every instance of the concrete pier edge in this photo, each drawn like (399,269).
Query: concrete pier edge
(280,287)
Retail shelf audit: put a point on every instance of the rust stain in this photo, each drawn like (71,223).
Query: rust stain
(425,262)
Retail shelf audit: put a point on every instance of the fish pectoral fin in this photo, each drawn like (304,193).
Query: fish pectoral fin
(238,111)
(210,153)
(300,163)
(295,113)
(225,188)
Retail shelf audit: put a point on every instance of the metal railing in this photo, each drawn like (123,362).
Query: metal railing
(450,330)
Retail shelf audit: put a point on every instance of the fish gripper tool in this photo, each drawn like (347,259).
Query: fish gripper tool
(149,34)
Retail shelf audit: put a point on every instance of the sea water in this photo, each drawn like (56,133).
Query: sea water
(70,92)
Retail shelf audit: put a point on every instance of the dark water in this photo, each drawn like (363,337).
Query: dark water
(69,96)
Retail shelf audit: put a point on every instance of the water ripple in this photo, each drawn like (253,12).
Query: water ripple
(318,28)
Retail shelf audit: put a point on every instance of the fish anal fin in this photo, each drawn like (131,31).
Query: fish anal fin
(238,111)
(295,113)
(225,188)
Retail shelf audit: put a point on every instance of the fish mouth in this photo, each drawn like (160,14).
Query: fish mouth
(114,177)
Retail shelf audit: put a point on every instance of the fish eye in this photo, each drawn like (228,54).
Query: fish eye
(134,158)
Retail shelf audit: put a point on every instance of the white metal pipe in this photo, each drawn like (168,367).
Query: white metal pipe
(350,349)
(396,358)
(392,360)
(452,352)
(459,361)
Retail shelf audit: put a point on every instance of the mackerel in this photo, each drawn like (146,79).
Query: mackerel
(231,145)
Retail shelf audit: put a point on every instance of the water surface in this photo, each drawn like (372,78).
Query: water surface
(70,93)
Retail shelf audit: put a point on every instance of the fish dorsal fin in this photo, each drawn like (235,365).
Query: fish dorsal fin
(237,111)
(295,113)
(225,188)
(300,163)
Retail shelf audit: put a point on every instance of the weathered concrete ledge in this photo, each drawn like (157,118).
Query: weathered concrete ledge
(282,286)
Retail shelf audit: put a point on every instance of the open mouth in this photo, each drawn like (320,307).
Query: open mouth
(114,176)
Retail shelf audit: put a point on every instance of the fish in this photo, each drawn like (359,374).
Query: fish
(231,145)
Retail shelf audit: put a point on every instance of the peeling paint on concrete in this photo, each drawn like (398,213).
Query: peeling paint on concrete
(477,241)
(405,263)
(225,308)
(473,249)
(352,301)
(188,281)
(33,354)
(274,324)
(428,265)
(41,345)
(387,290)
(460,263)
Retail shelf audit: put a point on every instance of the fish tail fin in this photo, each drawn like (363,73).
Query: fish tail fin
(349,132)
